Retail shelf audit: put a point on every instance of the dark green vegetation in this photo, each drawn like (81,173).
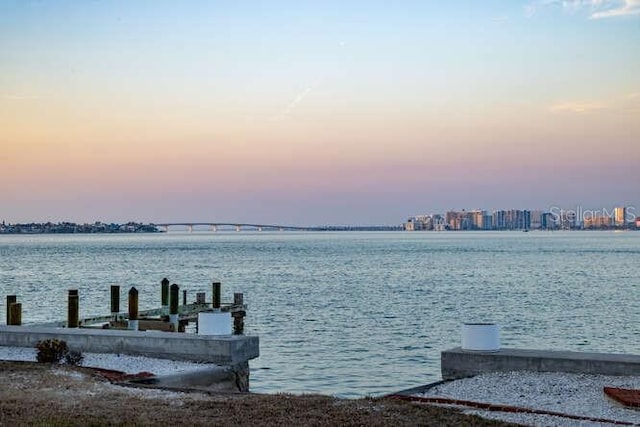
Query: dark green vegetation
(73,228)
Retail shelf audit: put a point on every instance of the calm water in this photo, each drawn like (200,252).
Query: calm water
(355,314)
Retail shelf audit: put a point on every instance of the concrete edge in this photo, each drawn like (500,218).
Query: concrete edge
(458,363)
(221,350)
(417,390)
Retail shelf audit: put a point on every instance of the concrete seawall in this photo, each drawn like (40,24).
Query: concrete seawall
(458,363)
(221,350)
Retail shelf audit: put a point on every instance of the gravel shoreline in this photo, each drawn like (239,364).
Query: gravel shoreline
(117,362)
(43,394)
(574,394)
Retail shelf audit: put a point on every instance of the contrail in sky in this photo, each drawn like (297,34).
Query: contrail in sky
(303,94)
(297,100)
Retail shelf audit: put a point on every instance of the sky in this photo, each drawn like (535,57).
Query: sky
(318,112)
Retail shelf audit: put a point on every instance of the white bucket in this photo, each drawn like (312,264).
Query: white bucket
(481,336)
(214,323)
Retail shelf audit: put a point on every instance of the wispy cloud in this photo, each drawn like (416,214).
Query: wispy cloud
(596,9)
(532,8)
(576,107)
(629,7)
(12,97)
(628,103)
(500,19)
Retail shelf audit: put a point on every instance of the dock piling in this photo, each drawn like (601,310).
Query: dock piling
(115,301)
(11,299)
(133,309)
(174,293)
(184,297)
(73,309)
(165,295)
(201,298)
(238,314)
(215,304)
(15,314)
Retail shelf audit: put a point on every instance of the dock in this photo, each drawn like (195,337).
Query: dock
(158,333)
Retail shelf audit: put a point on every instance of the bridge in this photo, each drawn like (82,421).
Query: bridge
(216,226)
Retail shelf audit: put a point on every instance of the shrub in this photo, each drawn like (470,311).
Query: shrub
(54,351)
(73,358)
(51,351)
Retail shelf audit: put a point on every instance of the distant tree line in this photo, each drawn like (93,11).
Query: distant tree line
(71,228)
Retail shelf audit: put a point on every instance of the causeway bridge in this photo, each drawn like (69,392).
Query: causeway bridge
(218,226)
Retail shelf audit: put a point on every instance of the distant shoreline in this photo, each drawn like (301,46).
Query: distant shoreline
(73,228)
(151,229)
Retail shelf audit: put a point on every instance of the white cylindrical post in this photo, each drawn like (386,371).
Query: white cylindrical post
(212,323)
(173,319)
(481,336)
(132,325)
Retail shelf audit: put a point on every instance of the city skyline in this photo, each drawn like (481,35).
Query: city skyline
(578,216)
(315,113)
(620,217)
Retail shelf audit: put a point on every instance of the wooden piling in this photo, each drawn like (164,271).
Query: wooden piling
(238,313)
(216,295)
(115,300)
(165,293)
(201,298)
(133,309)
(184,297)
(11,299)
(238,299)
(174,295)
(73,309)
(15,314)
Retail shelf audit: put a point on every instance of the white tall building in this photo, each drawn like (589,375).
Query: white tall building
(620,216)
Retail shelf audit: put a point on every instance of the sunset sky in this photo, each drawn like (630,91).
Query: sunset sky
(319,112)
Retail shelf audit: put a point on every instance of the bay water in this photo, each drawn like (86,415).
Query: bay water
(353,313)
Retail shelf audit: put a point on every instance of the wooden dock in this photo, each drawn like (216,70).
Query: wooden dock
(170,317)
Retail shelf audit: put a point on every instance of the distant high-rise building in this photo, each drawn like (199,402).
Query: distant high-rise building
(477,219)
(547,222)
(620,216)
(487,221)
(438,222)
(458,220)
(566,219)
(536,220)
(499,220)
(412,225)
(526,220)
(596,221)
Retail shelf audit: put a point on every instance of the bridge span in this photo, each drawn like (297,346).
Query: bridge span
(216,226)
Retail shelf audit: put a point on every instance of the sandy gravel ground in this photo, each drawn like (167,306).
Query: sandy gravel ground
(41,394)
(579,397)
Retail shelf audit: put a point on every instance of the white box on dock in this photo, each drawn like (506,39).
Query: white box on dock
(214,323)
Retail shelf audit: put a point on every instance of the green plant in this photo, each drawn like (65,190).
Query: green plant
(51,351)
